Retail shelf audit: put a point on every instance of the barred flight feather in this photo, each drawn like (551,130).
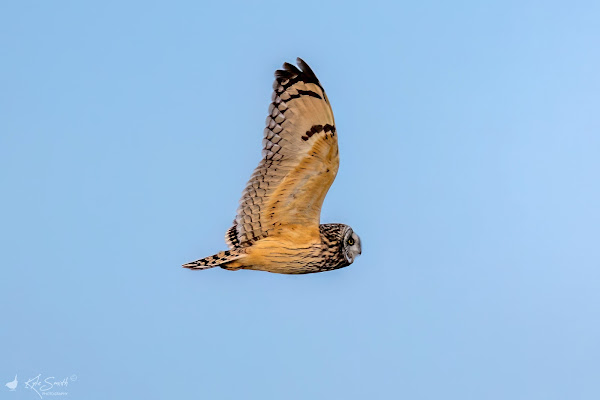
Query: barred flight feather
(299,105)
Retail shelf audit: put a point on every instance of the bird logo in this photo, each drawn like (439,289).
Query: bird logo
(12,385)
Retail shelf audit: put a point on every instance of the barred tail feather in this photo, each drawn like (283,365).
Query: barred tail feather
(220,259)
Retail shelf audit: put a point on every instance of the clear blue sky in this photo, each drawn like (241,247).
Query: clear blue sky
(470,161)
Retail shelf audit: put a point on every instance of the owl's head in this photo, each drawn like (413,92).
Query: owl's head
(351,245)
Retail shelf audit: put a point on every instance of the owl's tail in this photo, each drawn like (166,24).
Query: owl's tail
(226,259)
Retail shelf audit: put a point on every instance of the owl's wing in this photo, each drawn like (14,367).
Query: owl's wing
(300,161)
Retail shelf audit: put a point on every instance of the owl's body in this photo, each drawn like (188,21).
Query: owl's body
(277,227)
(289,254)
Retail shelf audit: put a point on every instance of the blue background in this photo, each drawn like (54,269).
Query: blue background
(469,139)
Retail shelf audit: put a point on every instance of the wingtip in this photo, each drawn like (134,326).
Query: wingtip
(283,74)
(291,68)
(291,72)
(305,68)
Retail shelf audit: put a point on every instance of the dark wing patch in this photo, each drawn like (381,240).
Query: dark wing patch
(318,129)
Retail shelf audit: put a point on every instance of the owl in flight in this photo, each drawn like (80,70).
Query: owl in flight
(277,227)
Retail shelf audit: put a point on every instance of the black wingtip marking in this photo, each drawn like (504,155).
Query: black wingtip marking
(309,93)
(318,129)
(283,74)
(291,68)
(306,69)
(300,94)
(294,75)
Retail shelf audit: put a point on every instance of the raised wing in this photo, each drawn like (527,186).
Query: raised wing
(300,161)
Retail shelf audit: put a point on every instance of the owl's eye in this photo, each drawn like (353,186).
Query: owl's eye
(350,242)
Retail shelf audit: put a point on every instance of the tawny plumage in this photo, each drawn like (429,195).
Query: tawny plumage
(277,227)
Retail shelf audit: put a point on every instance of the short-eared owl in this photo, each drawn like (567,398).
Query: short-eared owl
(277,227)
